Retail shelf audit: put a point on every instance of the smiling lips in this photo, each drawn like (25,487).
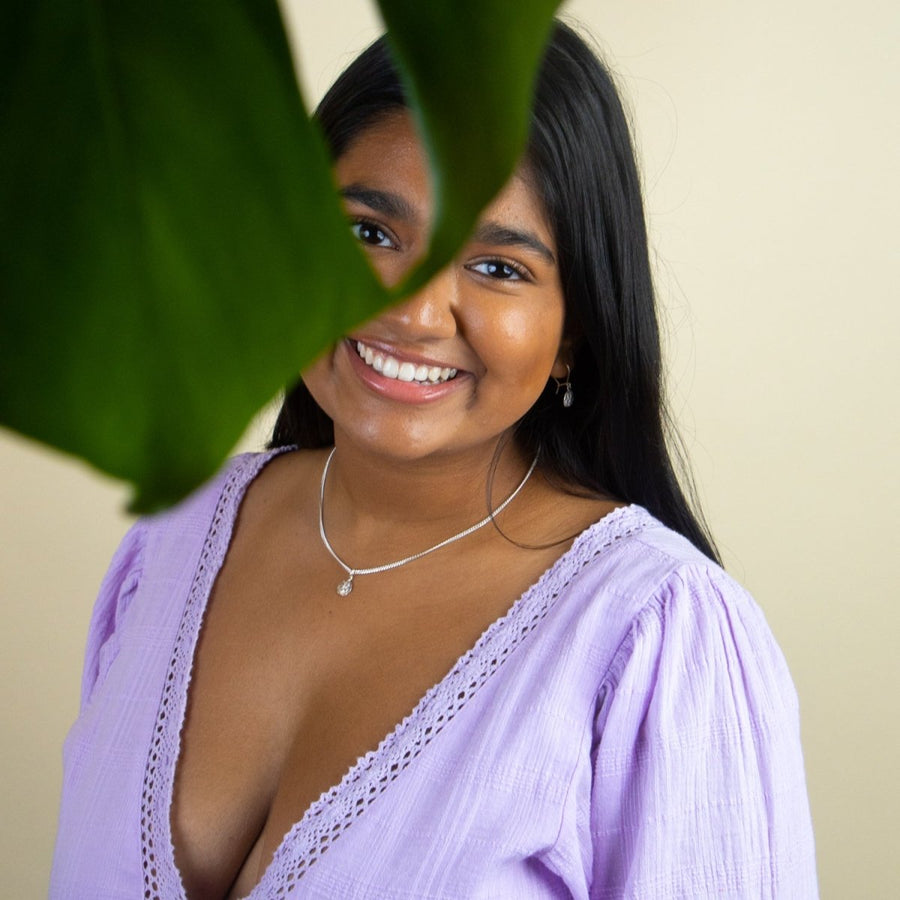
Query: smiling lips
(389,367)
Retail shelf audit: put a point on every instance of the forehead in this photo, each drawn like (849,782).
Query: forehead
(388,156)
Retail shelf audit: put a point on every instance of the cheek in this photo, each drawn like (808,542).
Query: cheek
(520,340)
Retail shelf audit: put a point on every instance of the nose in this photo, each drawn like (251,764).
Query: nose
(431,312)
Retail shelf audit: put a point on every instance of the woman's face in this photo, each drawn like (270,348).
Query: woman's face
(456,365)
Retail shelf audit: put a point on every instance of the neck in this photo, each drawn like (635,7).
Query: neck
(379,507)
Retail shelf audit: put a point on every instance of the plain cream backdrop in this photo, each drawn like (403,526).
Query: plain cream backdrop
(768,133)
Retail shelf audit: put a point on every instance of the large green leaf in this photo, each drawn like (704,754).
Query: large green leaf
(470,66)
(171,248)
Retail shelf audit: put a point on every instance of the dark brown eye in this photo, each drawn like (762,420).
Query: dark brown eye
(496,268)
(371,234)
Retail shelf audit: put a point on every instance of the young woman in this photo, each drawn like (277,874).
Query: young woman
(458,633)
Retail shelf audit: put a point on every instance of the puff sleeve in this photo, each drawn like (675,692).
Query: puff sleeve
(698,783)
(116,592)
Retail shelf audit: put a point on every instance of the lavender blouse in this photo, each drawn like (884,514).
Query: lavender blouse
(628,729)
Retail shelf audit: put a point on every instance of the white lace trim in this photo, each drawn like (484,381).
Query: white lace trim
(162,880)
(337,808)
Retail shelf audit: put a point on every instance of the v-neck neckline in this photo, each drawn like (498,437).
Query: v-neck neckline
(326,819)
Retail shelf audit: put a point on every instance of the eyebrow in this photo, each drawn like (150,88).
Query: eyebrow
(385,202)
(398,207)
(495,233)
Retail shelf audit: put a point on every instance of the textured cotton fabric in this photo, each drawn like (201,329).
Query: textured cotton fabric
(628,729)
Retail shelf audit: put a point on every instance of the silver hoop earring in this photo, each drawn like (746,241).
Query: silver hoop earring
(568,395)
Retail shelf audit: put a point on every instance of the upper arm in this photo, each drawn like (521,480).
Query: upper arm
(116,592)
(699,787)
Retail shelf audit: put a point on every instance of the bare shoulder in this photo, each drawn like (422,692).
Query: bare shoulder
(556,515)
(287,484)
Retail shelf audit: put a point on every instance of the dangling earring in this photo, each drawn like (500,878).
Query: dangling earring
(569,395)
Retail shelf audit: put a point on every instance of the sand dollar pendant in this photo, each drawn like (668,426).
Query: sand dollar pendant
(345,586)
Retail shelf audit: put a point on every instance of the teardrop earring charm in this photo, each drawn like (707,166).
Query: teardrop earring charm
(568,394)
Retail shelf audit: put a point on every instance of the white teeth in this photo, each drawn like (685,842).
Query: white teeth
(405,371)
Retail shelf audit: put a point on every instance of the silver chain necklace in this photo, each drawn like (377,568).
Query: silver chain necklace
(346,585)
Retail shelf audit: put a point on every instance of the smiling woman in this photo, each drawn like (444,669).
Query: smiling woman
(493,317)
(458,633)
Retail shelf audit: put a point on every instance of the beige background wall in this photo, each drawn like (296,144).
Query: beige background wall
(769,134)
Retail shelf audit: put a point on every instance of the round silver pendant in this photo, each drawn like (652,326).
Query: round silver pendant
(345,586)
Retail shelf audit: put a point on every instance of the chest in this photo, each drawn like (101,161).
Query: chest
(292,684)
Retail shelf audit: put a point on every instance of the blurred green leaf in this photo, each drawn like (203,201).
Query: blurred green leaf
(470,67)
(171,247)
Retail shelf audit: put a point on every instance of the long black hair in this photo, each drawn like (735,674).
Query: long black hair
(580,161)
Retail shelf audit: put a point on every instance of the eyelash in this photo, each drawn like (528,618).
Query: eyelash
(520,273)
(374,226)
